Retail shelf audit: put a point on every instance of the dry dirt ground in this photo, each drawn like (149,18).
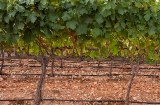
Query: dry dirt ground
(144,88)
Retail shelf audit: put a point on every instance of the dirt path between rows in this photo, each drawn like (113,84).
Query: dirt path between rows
(144,88)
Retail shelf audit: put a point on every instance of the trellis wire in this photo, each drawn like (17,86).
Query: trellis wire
(72,100)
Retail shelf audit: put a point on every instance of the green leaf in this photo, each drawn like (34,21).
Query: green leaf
(71,24)
(115,50)
(108,24)
(47,33)
(124,33)
(15,38)
(147,16)
(113,4)
(108,34)
(30,2)
(83,11)
(56,26)
(28,36)
(91,1)
(42,23)
(143,32)
(131,31)
(118,29)
(42,7)
(36,49)
(123,24)
(66,16)
(94,6)
(1,37)
(121,11)
(1,14)
(8,37)
(88,20)
(19,8)
(2,5)
(108,6)
(44,2)
(21,25)
(93,54)
(6,19)
(104,51)
(107,13)
(152,30)
(27,39)
(116,25)
(113,17)
(12,14)
(138,4)
(99,18)
(81,29)
(53,17)
(33,17)
(96,32)
(140,27)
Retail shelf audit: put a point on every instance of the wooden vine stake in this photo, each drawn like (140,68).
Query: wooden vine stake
(111,67)
(138,64)
(52,68)
(61,66)
(129,85)
(2,52)
(38,95)
(99,62)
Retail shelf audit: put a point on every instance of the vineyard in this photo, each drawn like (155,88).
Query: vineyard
(60,49)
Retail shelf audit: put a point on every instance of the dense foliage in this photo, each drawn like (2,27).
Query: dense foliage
(95,28)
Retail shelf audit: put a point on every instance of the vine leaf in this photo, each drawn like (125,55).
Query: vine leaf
(88,20)
(53,17)
(152,30)
(19,8)
(2,5)
(44,2)
(93,54)
(29,2)
(57,26)
(12,14)
(66,16)
(91,1)
(21,26)
(28,36)
(138,4)
(81,29)
(8,37)
(147,15)
(83,11)
(140,27)
(99,19)
(108,6)
(116,25)
(6,19)
(33,17)
(96,32)
(121,11)
(71,24)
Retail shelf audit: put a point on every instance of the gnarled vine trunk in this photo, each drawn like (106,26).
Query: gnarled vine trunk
(38,96)
(2,52)
(129,85)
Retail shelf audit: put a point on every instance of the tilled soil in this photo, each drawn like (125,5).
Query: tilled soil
(78,87)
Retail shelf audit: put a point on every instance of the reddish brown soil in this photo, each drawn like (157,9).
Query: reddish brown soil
(144,88)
